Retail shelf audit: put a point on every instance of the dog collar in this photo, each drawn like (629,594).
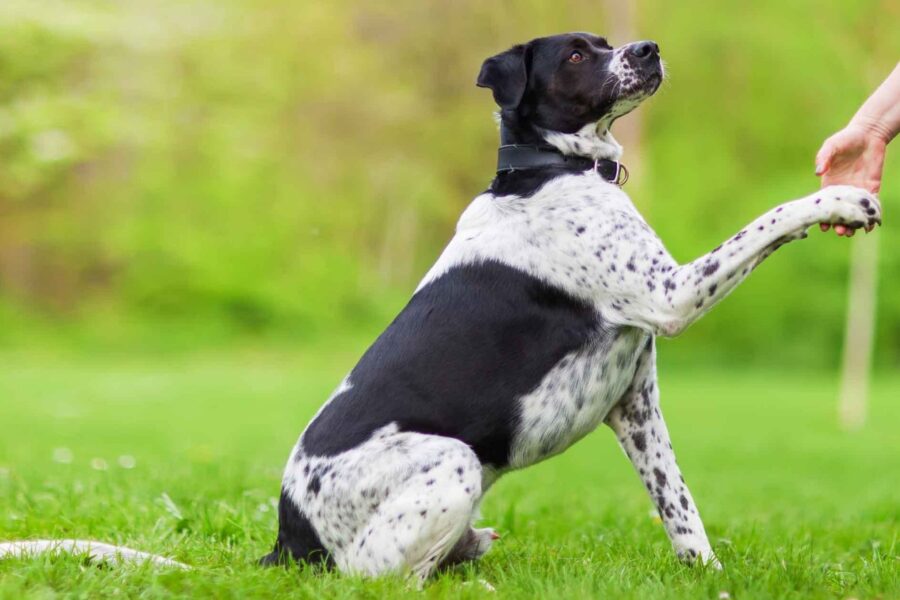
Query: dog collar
(520,157)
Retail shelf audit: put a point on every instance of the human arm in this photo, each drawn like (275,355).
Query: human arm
(855,154)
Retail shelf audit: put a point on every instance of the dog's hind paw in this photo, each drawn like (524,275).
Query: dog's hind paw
(473,544)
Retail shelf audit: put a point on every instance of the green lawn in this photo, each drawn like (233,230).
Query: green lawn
(794,506)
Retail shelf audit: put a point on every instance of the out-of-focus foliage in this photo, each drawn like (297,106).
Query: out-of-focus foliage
(293,167)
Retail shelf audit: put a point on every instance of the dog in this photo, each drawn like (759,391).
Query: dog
(536,324)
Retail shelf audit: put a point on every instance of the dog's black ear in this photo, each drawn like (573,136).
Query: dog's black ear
(506,74)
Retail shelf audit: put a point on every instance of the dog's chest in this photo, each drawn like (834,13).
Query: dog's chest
(575,396)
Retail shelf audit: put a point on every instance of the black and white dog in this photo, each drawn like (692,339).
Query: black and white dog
(535,325)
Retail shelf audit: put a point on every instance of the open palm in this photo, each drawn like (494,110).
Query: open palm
(852,156)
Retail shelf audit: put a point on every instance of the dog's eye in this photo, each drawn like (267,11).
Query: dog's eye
(576,57)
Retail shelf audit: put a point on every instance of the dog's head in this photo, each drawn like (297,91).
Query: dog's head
(572,83)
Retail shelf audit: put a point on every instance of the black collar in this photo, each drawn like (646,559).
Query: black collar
(519,157)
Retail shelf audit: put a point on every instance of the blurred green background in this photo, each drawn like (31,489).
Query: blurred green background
(192,174)
(208,208)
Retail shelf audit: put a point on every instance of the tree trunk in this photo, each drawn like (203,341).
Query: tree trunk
(860,331)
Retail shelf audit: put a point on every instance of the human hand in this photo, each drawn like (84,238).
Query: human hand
(852,156)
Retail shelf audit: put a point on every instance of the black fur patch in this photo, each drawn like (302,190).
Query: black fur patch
(455,361)
(297,539)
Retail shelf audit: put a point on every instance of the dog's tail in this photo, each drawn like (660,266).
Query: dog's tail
(95,551)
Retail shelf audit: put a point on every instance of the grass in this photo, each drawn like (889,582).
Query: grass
(795,508)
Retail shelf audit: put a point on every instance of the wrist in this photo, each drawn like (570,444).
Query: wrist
(872,128)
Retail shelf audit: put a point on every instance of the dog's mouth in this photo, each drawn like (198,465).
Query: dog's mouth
(643,81)
(653,81)
(636,85)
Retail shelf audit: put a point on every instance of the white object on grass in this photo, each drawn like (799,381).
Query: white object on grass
(94,550)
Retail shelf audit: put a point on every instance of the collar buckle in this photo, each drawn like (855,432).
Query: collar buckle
(619,177)
(621,174)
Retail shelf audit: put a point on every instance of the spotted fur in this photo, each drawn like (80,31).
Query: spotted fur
(535,324)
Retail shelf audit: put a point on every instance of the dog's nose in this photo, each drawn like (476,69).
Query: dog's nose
(644,49)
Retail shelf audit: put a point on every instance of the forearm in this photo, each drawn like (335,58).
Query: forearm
(687,291)
(705,281)
(880,114)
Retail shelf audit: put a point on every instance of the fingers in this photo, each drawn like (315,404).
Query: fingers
(843,230)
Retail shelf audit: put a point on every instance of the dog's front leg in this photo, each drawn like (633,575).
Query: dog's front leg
(639,426)
(677,295)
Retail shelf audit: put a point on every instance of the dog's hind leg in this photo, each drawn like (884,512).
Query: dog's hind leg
(639,426)
(434,487)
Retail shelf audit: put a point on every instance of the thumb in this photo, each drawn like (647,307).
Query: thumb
(823,158)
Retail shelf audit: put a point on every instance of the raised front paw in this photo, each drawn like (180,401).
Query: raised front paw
(848,208)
